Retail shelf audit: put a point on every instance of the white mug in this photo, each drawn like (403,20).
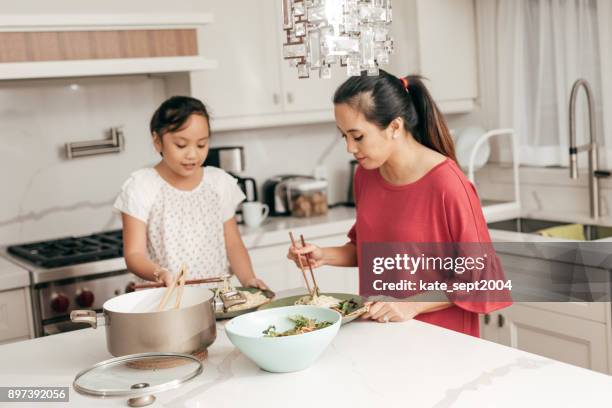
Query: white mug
(254,213)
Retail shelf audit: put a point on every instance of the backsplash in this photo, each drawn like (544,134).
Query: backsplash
(549,190)
(46,196)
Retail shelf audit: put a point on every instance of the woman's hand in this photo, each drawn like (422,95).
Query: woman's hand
(315,253)
(256,283)
(384,312)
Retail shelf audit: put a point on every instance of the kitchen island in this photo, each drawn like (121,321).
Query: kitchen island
(409,364)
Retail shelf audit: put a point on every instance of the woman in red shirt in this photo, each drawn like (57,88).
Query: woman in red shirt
(408,188)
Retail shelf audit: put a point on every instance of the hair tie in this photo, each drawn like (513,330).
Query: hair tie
(405,83)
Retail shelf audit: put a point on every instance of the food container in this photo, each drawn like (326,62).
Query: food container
(307,198)
(134,326)
(283,354)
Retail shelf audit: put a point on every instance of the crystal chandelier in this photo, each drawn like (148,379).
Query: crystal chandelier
(354,33)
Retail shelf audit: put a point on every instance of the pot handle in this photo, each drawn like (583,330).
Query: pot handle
(85,316)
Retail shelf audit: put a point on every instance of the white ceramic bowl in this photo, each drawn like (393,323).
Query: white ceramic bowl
(282,354)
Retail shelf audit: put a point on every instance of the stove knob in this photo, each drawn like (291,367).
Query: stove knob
(85,298)
(59,302)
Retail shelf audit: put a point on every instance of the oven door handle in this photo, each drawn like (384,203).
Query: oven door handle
(87,316)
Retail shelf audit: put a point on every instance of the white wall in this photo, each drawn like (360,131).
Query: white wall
(43,194)
(548,192)
(46,196)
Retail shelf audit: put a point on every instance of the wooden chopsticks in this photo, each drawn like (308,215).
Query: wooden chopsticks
(187,282)
(301,265)
(315,289)
(181,280)
(167,294)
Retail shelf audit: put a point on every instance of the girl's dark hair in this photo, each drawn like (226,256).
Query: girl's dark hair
(174,112)
(384,98)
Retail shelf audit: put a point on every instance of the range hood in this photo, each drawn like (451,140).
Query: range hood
(64,46)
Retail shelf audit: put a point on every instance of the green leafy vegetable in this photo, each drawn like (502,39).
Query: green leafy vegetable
(302,325)
(346,306)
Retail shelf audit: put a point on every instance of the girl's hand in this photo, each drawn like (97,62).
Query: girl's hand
(256,283)
(166,277)
(384,312)
(315,254)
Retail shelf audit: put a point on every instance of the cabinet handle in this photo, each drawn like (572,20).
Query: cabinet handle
(275,99)
(289,97)
(487,318)
(500,320)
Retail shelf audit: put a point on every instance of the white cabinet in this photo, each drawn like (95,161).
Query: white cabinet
(332,278)
(545,329)
(578,333)
(253,86)
(437,39)
(242,40)
(15,315)
(271,264)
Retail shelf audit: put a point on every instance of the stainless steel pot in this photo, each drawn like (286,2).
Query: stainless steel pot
(134,326)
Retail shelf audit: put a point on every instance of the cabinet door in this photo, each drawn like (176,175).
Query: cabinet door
(405,34)
(308,94)
(272,266)
(336,279)
(569,339)
(243,41)
(15,314)
(447,51)
(489,329)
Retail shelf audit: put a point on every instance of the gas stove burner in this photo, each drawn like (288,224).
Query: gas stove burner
(72,250)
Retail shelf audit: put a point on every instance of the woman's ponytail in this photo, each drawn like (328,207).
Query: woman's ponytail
(431,129)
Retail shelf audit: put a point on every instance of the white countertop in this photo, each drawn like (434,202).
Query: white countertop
(274,230)
(12,276)
(368,365)
(572,218)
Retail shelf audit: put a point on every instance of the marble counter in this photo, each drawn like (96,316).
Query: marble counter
(368,365)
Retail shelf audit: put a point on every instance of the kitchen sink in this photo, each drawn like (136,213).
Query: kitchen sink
(531,226)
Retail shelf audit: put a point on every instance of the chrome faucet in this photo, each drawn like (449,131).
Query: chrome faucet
(591,147)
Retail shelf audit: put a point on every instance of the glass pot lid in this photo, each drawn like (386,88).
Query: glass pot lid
(137,375)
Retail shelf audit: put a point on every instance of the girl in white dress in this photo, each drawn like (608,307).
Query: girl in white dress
(179,212)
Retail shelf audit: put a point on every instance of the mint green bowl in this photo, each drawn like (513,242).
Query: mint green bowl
(282,354)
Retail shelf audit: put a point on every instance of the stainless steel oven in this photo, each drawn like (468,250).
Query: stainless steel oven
(71,273)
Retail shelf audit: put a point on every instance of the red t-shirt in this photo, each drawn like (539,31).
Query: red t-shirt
(442,206)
